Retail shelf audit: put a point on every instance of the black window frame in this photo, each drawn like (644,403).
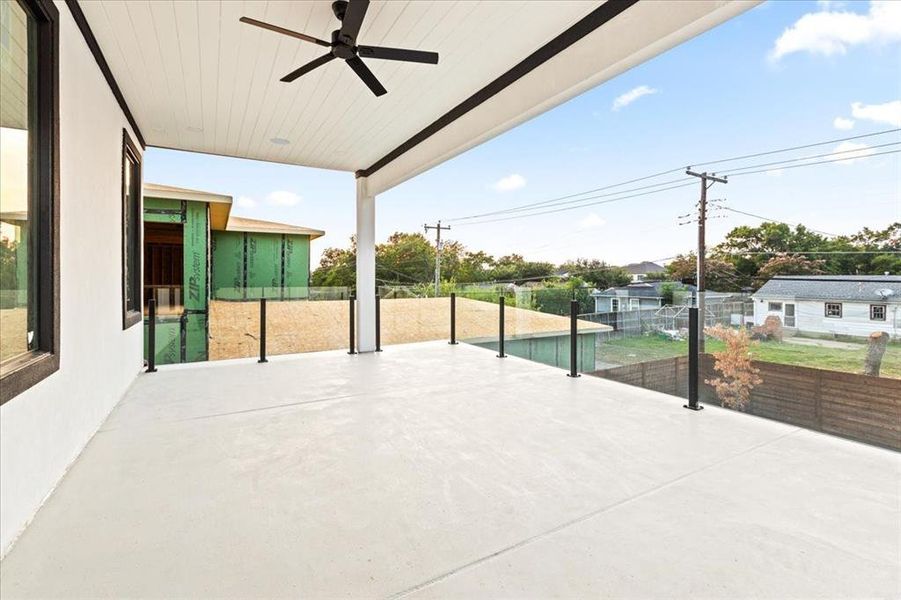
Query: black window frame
(33,367)
(770,305)
(884,308)
(131,313)
(826,306)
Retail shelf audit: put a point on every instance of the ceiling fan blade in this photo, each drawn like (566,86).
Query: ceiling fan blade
(307,68)
(366,75)
(383,53)
(283,31)
(353,20)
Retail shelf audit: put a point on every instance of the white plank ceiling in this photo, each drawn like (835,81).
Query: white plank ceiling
(197,79)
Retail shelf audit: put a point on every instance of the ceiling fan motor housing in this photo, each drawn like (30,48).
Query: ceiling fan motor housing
(341,49)
(339,7)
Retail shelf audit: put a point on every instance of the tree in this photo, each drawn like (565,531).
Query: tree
(515,268)
(337,267)
(788,264)
(720,274)
(406,258)
(597,273)
(737,376)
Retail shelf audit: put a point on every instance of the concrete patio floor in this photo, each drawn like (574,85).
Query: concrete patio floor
(440,471)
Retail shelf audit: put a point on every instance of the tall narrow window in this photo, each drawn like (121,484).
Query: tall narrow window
(131,233)
(29,274)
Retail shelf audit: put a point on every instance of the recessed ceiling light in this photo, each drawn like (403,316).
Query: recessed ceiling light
(280,141)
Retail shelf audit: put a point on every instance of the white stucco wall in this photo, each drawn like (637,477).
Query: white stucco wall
(45,428)
(810,317)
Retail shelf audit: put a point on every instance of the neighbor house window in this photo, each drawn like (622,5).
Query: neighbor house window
(29,212)
(834,310)
(775,307)
(877,312)
(614,305)
(131,233)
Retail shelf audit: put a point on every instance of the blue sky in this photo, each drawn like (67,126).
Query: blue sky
(780,75)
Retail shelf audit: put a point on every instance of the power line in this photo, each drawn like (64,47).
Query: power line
(635,180)
(556,210)
(787,166)
(821,162)
(845,139)
(555,200)
(531,207)
(762,218)
(780,163)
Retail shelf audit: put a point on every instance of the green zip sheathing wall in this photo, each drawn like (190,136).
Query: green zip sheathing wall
(248,266)
(183,338)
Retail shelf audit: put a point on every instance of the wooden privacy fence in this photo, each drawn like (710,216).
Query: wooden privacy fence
(867,409)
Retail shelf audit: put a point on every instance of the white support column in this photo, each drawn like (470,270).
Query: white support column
(365,268)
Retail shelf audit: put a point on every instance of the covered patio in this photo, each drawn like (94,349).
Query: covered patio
(441,471)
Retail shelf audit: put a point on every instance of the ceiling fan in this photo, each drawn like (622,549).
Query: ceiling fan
(344,45)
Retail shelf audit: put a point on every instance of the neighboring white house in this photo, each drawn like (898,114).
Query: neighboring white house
(852,305)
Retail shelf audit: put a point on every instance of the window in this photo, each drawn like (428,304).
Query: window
(614,304)
(789,315)
(775,307)
(131,233)
(634,303)
(877,312)
(29,210)
(834,310)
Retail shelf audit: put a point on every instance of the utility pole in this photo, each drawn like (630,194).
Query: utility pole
(438,229)
(702,247)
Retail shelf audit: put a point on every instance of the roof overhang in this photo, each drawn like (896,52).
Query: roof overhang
(220,204)
(196,79)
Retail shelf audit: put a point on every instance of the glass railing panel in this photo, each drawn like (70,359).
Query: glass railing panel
(411,314)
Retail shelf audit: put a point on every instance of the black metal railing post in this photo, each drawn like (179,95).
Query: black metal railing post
(378,323)
(151,336)
(352,328)
(694,361)
(573,338)
(262,331)
(500,329)
(453,315)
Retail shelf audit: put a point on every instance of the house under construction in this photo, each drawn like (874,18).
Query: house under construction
(195,250)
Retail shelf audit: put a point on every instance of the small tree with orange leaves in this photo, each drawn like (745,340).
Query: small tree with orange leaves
(737,376)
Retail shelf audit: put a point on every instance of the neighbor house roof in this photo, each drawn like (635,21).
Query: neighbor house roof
(221,218)
(645,289)
(855,288)
(643,268)
(256,225)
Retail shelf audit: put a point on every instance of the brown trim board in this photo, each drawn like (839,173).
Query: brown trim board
(89,38)
(586,25)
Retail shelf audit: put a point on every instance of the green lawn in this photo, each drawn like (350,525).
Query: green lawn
(647,348)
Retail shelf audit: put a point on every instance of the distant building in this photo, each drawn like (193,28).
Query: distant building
(639,271)
(637,296)
(849,305)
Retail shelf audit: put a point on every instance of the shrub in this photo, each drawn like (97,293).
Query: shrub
(737,376)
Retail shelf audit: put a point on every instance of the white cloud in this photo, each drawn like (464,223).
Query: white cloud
(843,123)
(631,96)
(829,32)
(245,202)
(888,113)
(283,198)
(509,183)
(850,152)
(830,4)
(591,221)
(774,172)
